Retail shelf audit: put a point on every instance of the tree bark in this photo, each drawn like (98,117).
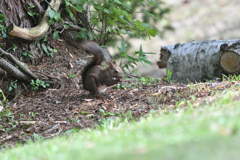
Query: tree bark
(200,61)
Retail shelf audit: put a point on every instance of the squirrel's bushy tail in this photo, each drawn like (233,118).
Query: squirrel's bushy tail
(97,52)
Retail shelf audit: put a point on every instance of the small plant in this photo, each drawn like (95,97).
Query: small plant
(103,114)
(2,27)
(138,56)
(38,83)
(30,13)
(108,123)
(118,119)
(46,50)
(169,75)
(126,117)
(54,17)
(71,75)
(74,130)
(231,77)
(12,85)
(7,113)
(33,114)
(37,137)
(14,47)
(28,55)
(139,82)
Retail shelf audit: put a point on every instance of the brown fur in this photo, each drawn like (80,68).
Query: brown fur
(94,76)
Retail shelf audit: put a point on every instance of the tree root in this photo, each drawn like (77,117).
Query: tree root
(35,32)
(13,71)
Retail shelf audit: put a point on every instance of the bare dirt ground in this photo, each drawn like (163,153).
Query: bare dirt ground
(66,106)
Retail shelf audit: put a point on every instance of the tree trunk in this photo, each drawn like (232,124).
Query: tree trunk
(200,61)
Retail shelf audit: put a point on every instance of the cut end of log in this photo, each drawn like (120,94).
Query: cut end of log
(230,62)
(162,64)
(165,54)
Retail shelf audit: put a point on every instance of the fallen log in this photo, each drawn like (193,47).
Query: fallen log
(201,61)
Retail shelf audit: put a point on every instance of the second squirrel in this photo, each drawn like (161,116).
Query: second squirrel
(95,78)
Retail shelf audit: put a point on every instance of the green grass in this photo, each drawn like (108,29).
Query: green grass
(207,132)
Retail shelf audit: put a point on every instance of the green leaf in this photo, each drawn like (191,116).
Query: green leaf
(106,10)
(98,6)
(149,14)
(111,22)
(84,112)
(152,2)
(31,6)
(3,19)
(55,35)
(78,8)
(72,75)
(149,53)
(51,14)
(30,14)
(144,4)
(117,10)
(169,75)
(123,31)
(145,25)
(24,53)
(82,34)
(123,47)
(45,49)
(54,50)
(110,114)
(139,24)
(151,32)
(57,16)
(140,51)
(144,60)
(102,113)
(117,1)
(74,1)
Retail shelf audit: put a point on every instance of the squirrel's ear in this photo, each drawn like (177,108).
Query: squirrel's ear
(114,62)
(110,64)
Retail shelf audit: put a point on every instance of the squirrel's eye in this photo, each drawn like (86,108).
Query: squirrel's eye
(116,71)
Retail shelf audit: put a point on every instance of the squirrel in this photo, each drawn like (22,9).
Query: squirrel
(95,78)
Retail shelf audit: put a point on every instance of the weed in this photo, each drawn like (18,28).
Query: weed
(231,77)
(138,82)
(7,113)
(103,114)
(13,85)
(74,130)
(28,55)
(38,83)
(71,75)
(37,137)
(169,75)
(2,27)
